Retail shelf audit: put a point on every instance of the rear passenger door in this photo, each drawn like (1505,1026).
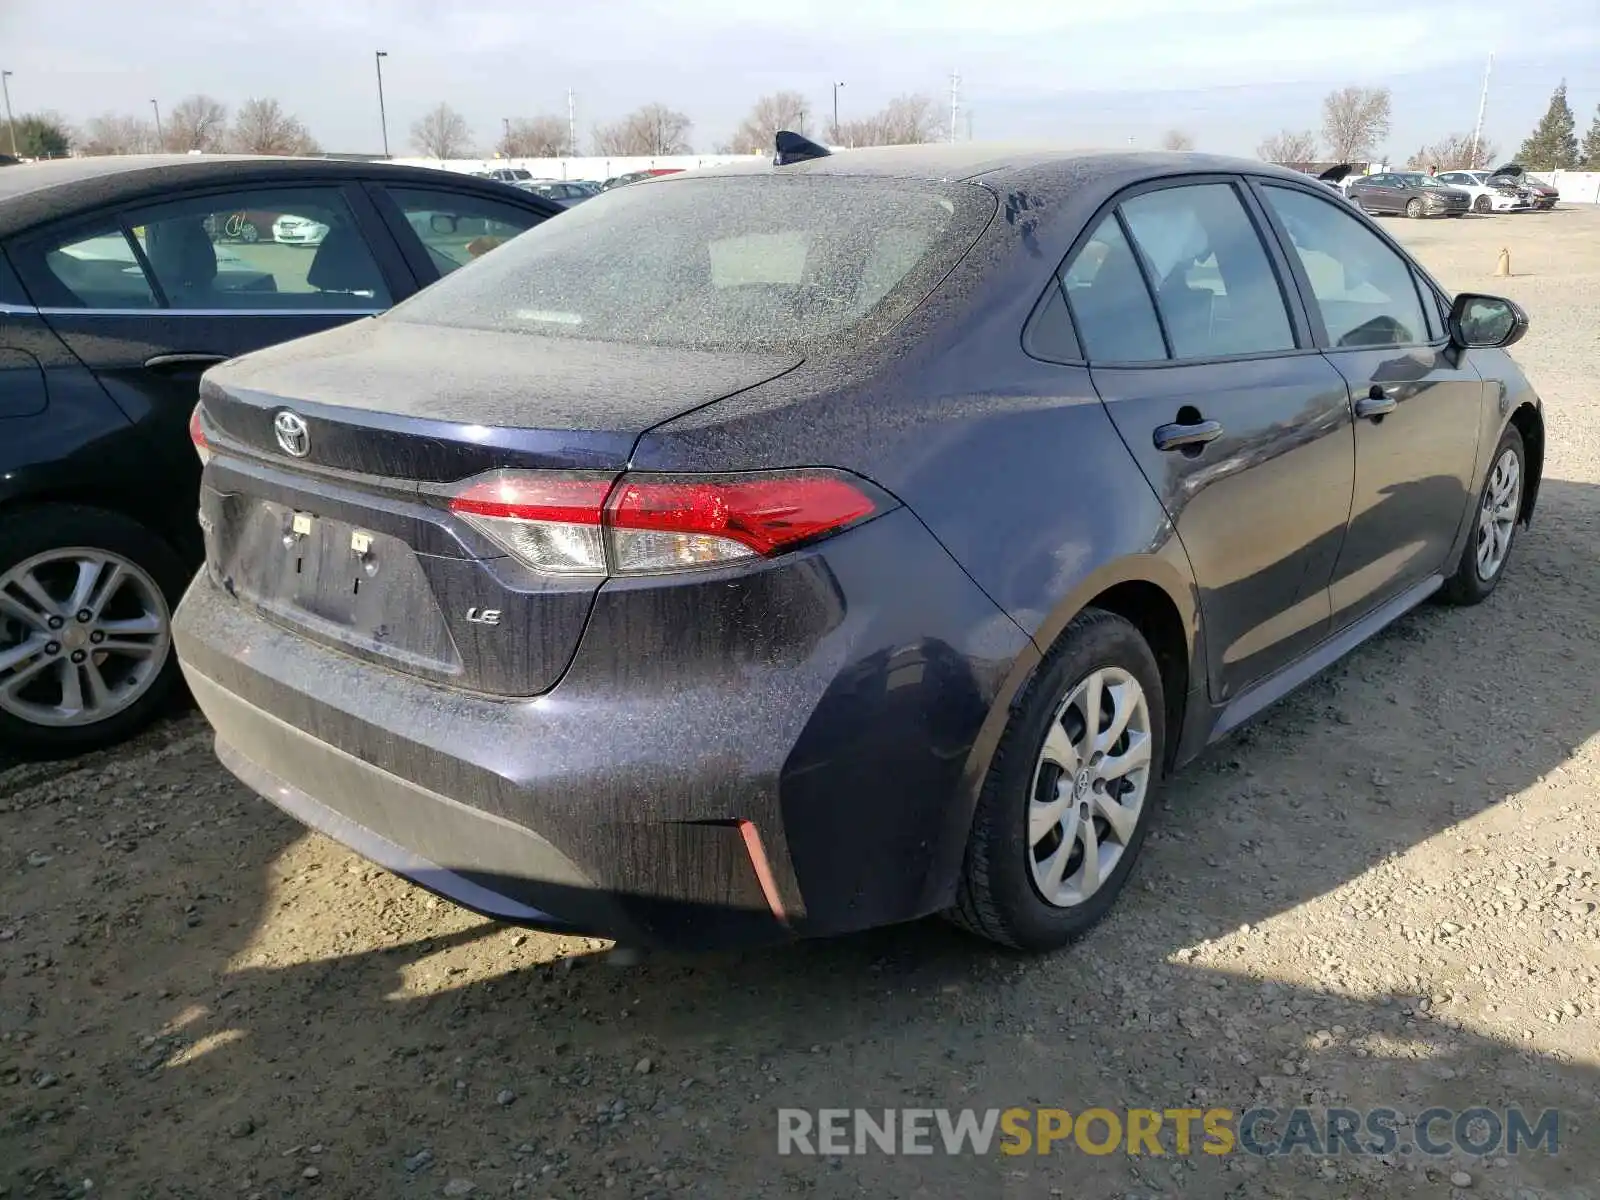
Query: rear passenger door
(1240,426)
(1418,404)
(150,296)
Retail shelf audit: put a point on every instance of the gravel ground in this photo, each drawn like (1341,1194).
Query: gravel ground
(1383,894)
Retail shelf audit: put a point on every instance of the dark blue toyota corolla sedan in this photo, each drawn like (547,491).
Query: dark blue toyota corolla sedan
(790,549)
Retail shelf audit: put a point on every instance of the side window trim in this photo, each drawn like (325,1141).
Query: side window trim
(160,293)
(1144,273)
(1319,328)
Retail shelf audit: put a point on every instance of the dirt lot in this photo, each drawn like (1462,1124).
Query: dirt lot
(1382,895)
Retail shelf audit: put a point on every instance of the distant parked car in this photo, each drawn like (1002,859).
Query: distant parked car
(119,284)
(1490,193)
(564,194)
(291,230)
(1544,196)
(1410,192)
(617,181)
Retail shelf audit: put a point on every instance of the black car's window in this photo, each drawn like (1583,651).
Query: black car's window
(1364,290)
(455,228)
(267,249)
(1110,301)
(721,262)
(1214,283)
(91,268)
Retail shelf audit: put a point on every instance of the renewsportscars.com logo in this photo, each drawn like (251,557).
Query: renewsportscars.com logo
(1263,1132)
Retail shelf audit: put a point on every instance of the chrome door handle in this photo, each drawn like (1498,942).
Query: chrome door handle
(1376,404)
(1177,437)
(171,362)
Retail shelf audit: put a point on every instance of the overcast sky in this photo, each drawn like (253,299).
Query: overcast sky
(1078,72)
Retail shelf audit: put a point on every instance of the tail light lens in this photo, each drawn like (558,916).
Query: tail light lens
(644,524)
(197,435)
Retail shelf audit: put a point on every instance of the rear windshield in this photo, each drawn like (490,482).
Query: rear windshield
(729,263)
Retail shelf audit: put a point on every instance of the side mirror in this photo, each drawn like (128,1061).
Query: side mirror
(442,223)
(1486,322)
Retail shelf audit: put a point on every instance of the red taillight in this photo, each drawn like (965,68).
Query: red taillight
(644,524)
(197,435)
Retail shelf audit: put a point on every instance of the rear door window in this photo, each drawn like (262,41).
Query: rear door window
(1214,284)
(268,249)
(90,268)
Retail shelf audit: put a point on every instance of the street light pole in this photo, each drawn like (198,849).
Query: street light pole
(11,121)
(160,140)
(506,121)
(383,119)
(836,88)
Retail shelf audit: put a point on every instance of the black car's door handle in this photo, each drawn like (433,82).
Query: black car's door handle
(1376,405)
(1176,437)
(176,362)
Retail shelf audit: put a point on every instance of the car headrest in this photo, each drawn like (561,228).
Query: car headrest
(343,264)
(181,254)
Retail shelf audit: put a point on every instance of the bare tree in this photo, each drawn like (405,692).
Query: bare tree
(1454,153)
(196,123)
(1355,120)
(535,137)
(779,110)
(113,133)
(1289,147)
(442,133)
(1176,139)
(262,127)
(654,129)
(905,120)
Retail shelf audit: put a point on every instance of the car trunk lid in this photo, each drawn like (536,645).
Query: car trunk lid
(333,460)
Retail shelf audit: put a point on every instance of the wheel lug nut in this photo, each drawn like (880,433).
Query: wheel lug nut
(97,637)
(52,647)
(55,622)
(78,656)
(83,616)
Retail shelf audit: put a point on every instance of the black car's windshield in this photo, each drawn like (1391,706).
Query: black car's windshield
(729,263)
(1422,181)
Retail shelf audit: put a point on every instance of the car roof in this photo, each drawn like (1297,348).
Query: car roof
(996,164)
(33,193)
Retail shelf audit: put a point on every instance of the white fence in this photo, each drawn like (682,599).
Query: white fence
(1582,187)
(593,167)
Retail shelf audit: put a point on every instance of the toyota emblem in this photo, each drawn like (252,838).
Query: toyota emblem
(293,435)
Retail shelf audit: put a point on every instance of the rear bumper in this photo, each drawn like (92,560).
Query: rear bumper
(792,762)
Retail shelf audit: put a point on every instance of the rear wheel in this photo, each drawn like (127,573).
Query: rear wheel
(86,600)
(1413,208)
(1071,792)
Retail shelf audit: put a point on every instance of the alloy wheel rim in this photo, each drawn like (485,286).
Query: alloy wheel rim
(83,635)
(1497,515)
(1089,786)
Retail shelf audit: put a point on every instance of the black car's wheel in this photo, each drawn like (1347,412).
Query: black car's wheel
(1494,527)
(1414,208)
(86,599)
(1071,792)
(1482,205)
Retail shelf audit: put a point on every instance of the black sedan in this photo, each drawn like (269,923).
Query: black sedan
(871,545)
(121,280)
(1411,193)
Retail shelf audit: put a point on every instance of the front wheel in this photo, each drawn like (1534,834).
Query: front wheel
(1498,511)
(86,601)
(1413,208)
(1070,794)
(1483,205)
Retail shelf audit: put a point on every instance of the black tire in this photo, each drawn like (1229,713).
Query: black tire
(996,897)
(25,532)
(248,233)
(1483,205)
(1414,208)
(1468,585)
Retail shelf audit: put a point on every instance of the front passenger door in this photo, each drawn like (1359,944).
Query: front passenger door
(1418,404)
